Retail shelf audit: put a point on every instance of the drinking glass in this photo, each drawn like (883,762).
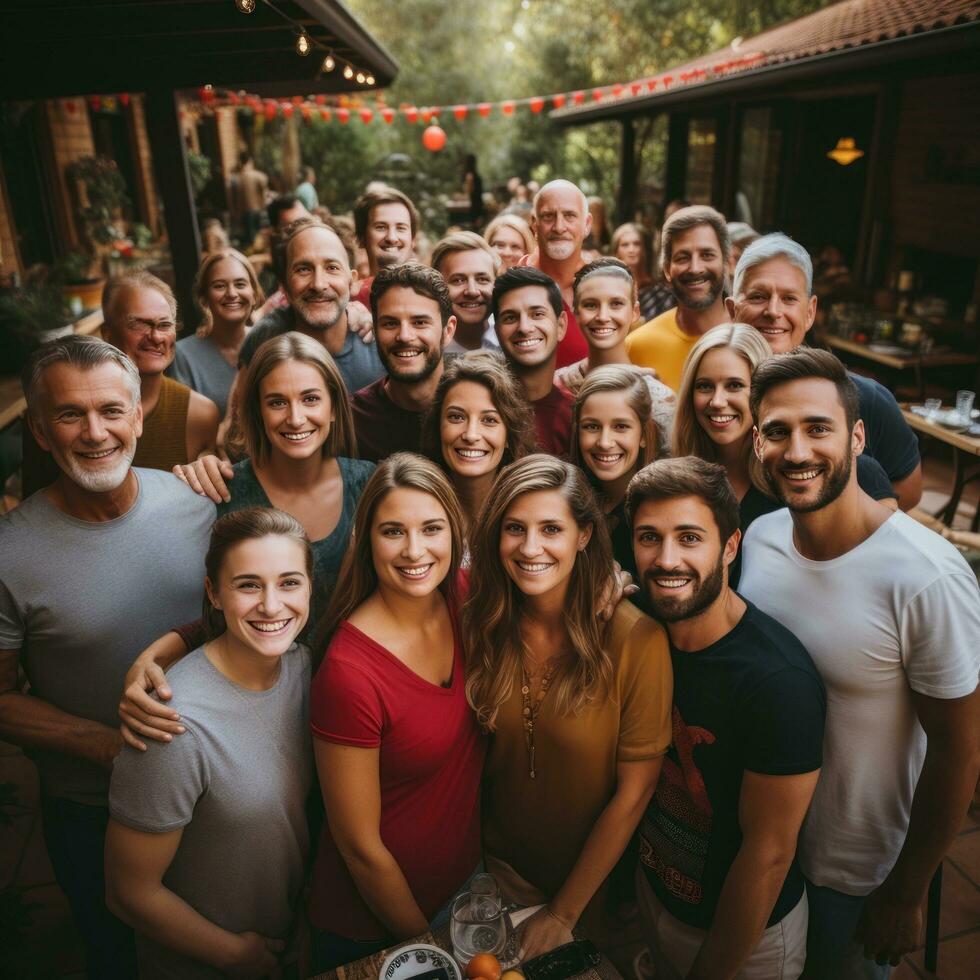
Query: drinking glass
(479,924)
(964,406)
(933,407)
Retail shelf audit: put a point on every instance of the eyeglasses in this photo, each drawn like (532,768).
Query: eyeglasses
(143,327)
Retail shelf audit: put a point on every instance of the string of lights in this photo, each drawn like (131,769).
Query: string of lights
(306,44)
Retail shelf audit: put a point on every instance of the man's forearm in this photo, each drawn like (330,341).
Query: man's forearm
(942,797)
(747,899)
(37,724)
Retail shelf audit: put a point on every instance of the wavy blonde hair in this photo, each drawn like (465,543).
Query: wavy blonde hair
(295,346)
(493,612)
(516,223)
(689,439)
(202,282)
(636,396)
(358,578)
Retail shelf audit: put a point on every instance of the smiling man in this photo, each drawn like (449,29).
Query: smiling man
(179,424)
(694,256)
(469,266)
(95,566)
(413,323)
(890,613)
(773,292)
(719,889)
(386,223)
(530,323)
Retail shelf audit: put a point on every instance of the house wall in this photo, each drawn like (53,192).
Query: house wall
(69,138)
(9,254)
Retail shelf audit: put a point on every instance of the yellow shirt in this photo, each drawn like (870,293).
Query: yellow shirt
(539,826)
(663,346)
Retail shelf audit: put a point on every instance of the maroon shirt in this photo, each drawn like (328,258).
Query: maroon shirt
(381,426)
(553,422)
(572,347)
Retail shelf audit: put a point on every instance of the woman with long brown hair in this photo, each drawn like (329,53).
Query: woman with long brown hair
(633,244)
(578,709)
(398,751)
(478,423)
(228,293)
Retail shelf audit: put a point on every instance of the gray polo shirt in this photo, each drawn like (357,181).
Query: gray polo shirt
(82,599)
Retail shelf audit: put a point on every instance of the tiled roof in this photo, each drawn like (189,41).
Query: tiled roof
(841,26)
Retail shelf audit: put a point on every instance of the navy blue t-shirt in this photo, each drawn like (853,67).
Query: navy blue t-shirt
(752,701)
(888,437)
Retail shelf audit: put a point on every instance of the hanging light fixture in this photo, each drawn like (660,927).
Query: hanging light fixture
(245,6)
(361,78)
(329,63)
(348,72)
(370,80)
(845,152)
(303,45)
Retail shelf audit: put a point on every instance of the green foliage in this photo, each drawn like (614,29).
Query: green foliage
(473,51)
(73,267)
(105,191)
(200,170)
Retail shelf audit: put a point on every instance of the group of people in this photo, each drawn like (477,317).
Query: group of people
(496,577)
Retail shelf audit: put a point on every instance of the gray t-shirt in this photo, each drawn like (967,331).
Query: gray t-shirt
(236,781)
(82,599)
(200,365)
(357,362)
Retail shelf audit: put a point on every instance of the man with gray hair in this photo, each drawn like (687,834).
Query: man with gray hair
(694,256)
(772,291)
(96,566)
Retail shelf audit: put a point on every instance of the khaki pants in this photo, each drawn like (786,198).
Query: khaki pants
(780,954)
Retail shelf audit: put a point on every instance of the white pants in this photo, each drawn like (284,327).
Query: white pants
(780,954)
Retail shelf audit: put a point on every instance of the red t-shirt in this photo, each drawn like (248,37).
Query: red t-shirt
(381,426)
(363,294)
(553,421)
(431,763)
(573,346)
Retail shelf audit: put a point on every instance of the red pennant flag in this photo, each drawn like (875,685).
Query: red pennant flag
(536,104)
(426,115)
(270,110)
(388,115)
(507,108)
(460,112)
(287,110)
(206,93)
(124,99)
(297,100)
(667,80)
(233,99)
(597,94)
(578,97)
(366,115)
(652,84)
(325,114)
(558,101)
(636,87)
(617,91)
(320,99)
(484,109)
(412,114)
(95,102)
(343,114)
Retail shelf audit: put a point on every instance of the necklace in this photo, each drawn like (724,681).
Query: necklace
(530,711)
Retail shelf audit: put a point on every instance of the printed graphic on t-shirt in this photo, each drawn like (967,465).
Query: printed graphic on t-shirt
(676,828)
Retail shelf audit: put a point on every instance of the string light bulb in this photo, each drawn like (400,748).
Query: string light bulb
(360,78)
(245,6)
(328,63)
(370,79)
(303,44)
(348,72)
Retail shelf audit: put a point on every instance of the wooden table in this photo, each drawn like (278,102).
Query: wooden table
(899,362)
(12,400)
(966,453)
(369,968)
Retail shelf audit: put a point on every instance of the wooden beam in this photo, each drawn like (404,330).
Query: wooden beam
(626,198)
(174,181)
(676,176)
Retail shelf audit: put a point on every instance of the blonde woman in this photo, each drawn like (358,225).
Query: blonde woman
(714,422)
(509,235)
(613,437)
(227,292)
(300,438)
(398,751)
(479,422)
(578,710)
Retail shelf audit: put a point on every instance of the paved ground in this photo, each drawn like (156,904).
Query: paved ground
(46,945)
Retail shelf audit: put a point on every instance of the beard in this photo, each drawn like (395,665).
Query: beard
(100,481)
(669,610)
(317,316)
(385,260)
(834,483)
(702,303)
(559,249)
(398,371)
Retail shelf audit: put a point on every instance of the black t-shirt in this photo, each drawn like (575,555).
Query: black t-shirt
(888,437)
(381,426)
(752,701)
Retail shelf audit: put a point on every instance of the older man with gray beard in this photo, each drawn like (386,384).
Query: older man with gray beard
(95,566)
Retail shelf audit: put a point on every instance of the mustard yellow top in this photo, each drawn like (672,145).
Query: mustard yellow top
(539,826)
(663,346)
(164,441)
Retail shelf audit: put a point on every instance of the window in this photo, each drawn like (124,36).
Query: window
(758,169)
(702,135)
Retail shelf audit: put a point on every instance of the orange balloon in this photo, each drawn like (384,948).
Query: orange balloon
(434,139)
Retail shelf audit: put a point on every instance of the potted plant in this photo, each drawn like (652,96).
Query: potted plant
(81,289)
(29,317)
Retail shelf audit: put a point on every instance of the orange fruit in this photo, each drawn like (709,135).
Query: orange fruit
(483,966)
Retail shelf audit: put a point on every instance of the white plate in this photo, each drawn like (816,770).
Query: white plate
(415,958)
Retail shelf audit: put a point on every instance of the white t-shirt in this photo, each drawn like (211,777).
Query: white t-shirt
(898,613)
